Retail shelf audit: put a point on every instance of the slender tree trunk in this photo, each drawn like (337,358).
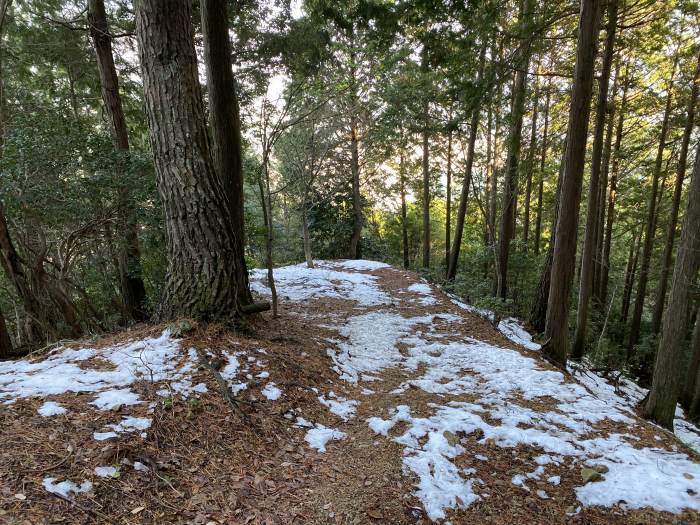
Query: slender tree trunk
(675,205)
(307,237)
(132,287)
(530,165)
(612,195)
(266,200)
(630,275)
(489,175)
(636,322)
(590,241)
(693,369)
(357,219)
(510,187)
(661,402)
(203,261)
(466,183)
(426,169)
(538,313)
(404,222)
(448,198)
(556,330)
(225,124)
(543,161)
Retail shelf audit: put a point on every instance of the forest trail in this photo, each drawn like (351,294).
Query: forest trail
(373,398)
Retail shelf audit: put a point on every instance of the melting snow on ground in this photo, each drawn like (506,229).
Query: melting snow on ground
(64,488)
(300,283)
(504,381)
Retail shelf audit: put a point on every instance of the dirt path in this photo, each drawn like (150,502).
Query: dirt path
(373,398)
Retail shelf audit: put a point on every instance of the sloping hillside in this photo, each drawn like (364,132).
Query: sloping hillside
(373,398)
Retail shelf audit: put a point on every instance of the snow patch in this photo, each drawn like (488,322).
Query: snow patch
(319,436)
(51,408)
(271,392)
(64,488)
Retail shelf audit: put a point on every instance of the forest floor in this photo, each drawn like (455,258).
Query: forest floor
(372,398)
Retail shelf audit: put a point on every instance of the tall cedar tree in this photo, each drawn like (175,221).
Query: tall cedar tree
(132,287)
(225,122)
(590,241)
(202,252)
(564,256)
(675,203)
(510,186)
(661,402)
(651,220)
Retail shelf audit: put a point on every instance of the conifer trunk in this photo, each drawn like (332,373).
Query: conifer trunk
(693,369)
(225,123)
(630,274)
(530,165)
(612,194)
(131,281)
(543,161)
(448,197)
(404,225)
(675,205)
(590,241)
(661,402)
(649,235)
(426,169)
(564,258)
(203,263)
(510,186)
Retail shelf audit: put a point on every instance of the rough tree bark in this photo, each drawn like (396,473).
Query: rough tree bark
(130,277)
(667,259)
(225,124)
(590,241)
(543,161)
(650,230)
(690,385)
(556,329)
(694,388)
(203,263)
(507,224)
(661,402)
(612,194)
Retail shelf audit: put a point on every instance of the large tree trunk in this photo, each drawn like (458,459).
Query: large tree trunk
(693,368)
(404,225)
(590,242)
(204,270)
(661,402)
(131,280)
(556,330)
(510,186)
(675,205)
(543,160)
(693,389)
(487,188)
(225,124)
(530,165)
(612,194)
(650,231)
